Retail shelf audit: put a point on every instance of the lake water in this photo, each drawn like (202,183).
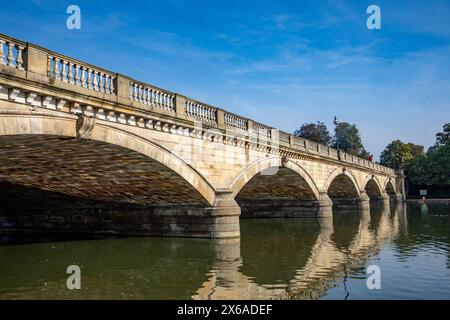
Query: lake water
(273,259)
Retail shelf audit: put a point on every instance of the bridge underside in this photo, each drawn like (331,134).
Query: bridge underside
(63,184)
(277,192)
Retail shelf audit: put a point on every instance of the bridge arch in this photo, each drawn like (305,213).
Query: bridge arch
(389,187)
(64,128)
(373,187)
(266,164)
(345,176)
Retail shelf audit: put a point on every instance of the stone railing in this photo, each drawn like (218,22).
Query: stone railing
(233,121)
(57,70)
(200,111)
(149,95)
(80,74)
(12,52)
(262,130)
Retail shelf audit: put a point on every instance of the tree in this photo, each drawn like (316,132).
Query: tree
(443,138)
(347,138)
(314,132)
(432,169)
(398,154)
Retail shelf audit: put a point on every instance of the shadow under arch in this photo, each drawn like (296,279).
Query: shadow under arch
(373,187)
(342,188)
(389,188)
(272,187)
(268,163)
(121,183)
(62,129)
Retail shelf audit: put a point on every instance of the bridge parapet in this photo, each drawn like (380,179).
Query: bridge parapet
(101,93)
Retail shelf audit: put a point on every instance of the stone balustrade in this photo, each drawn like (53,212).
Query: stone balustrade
(262,130)
(152,96)
(80,74)
(57,70)
(12,52)
(235,122)
(200,111)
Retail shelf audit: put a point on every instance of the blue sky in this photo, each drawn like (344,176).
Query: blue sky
(282,63)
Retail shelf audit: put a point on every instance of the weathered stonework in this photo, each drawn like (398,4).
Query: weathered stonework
(79,130)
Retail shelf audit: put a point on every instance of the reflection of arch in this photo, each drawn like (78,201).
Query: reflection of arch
(65,126)
(267,163)
(389,187)
(372,186)
(338,172)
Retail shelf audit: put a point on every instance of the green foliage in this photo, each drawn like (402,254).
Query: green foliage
(347,138)
(443,138)
(398,154)
(314,132)
(432,168)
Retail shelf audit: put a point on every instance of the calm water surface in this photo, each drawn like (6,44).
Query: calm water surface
(274,259)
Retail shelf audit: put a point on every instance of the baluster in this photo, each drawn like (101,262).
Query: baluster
(95,74)
(20,57)
(89,78)
(135,92)
(157,97)
(56,63)
(141,89)
(144,95)
(102,82)
(147,96)
(70,75)
(166,105)
(141,94)
(170,102)
(84,81)
(107,83)
(138,93)
(64,71)
(111,86)
(2,53)
(10,54)
(77,75)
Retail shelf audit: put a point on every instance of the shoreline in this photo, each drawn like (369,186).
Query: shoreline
(440,201)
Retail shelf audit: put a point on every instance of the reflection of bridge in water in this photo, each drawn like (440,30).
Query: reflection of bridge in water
(326,262)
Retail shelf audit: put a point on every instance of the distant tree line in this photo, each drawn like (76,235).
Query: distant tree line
(423,169)
(431,168)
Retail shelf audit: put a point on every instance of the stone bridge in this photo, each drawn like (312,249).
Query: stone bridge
(106,153)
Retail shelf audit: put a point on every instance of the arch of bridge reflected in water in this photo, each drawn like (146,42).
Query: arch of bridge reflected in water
(274,259)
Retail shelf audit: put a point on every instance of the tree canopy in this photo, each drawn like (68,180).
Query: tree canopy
(434,167)
(431,168)
(398,154)
(347,138)
(317,132)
